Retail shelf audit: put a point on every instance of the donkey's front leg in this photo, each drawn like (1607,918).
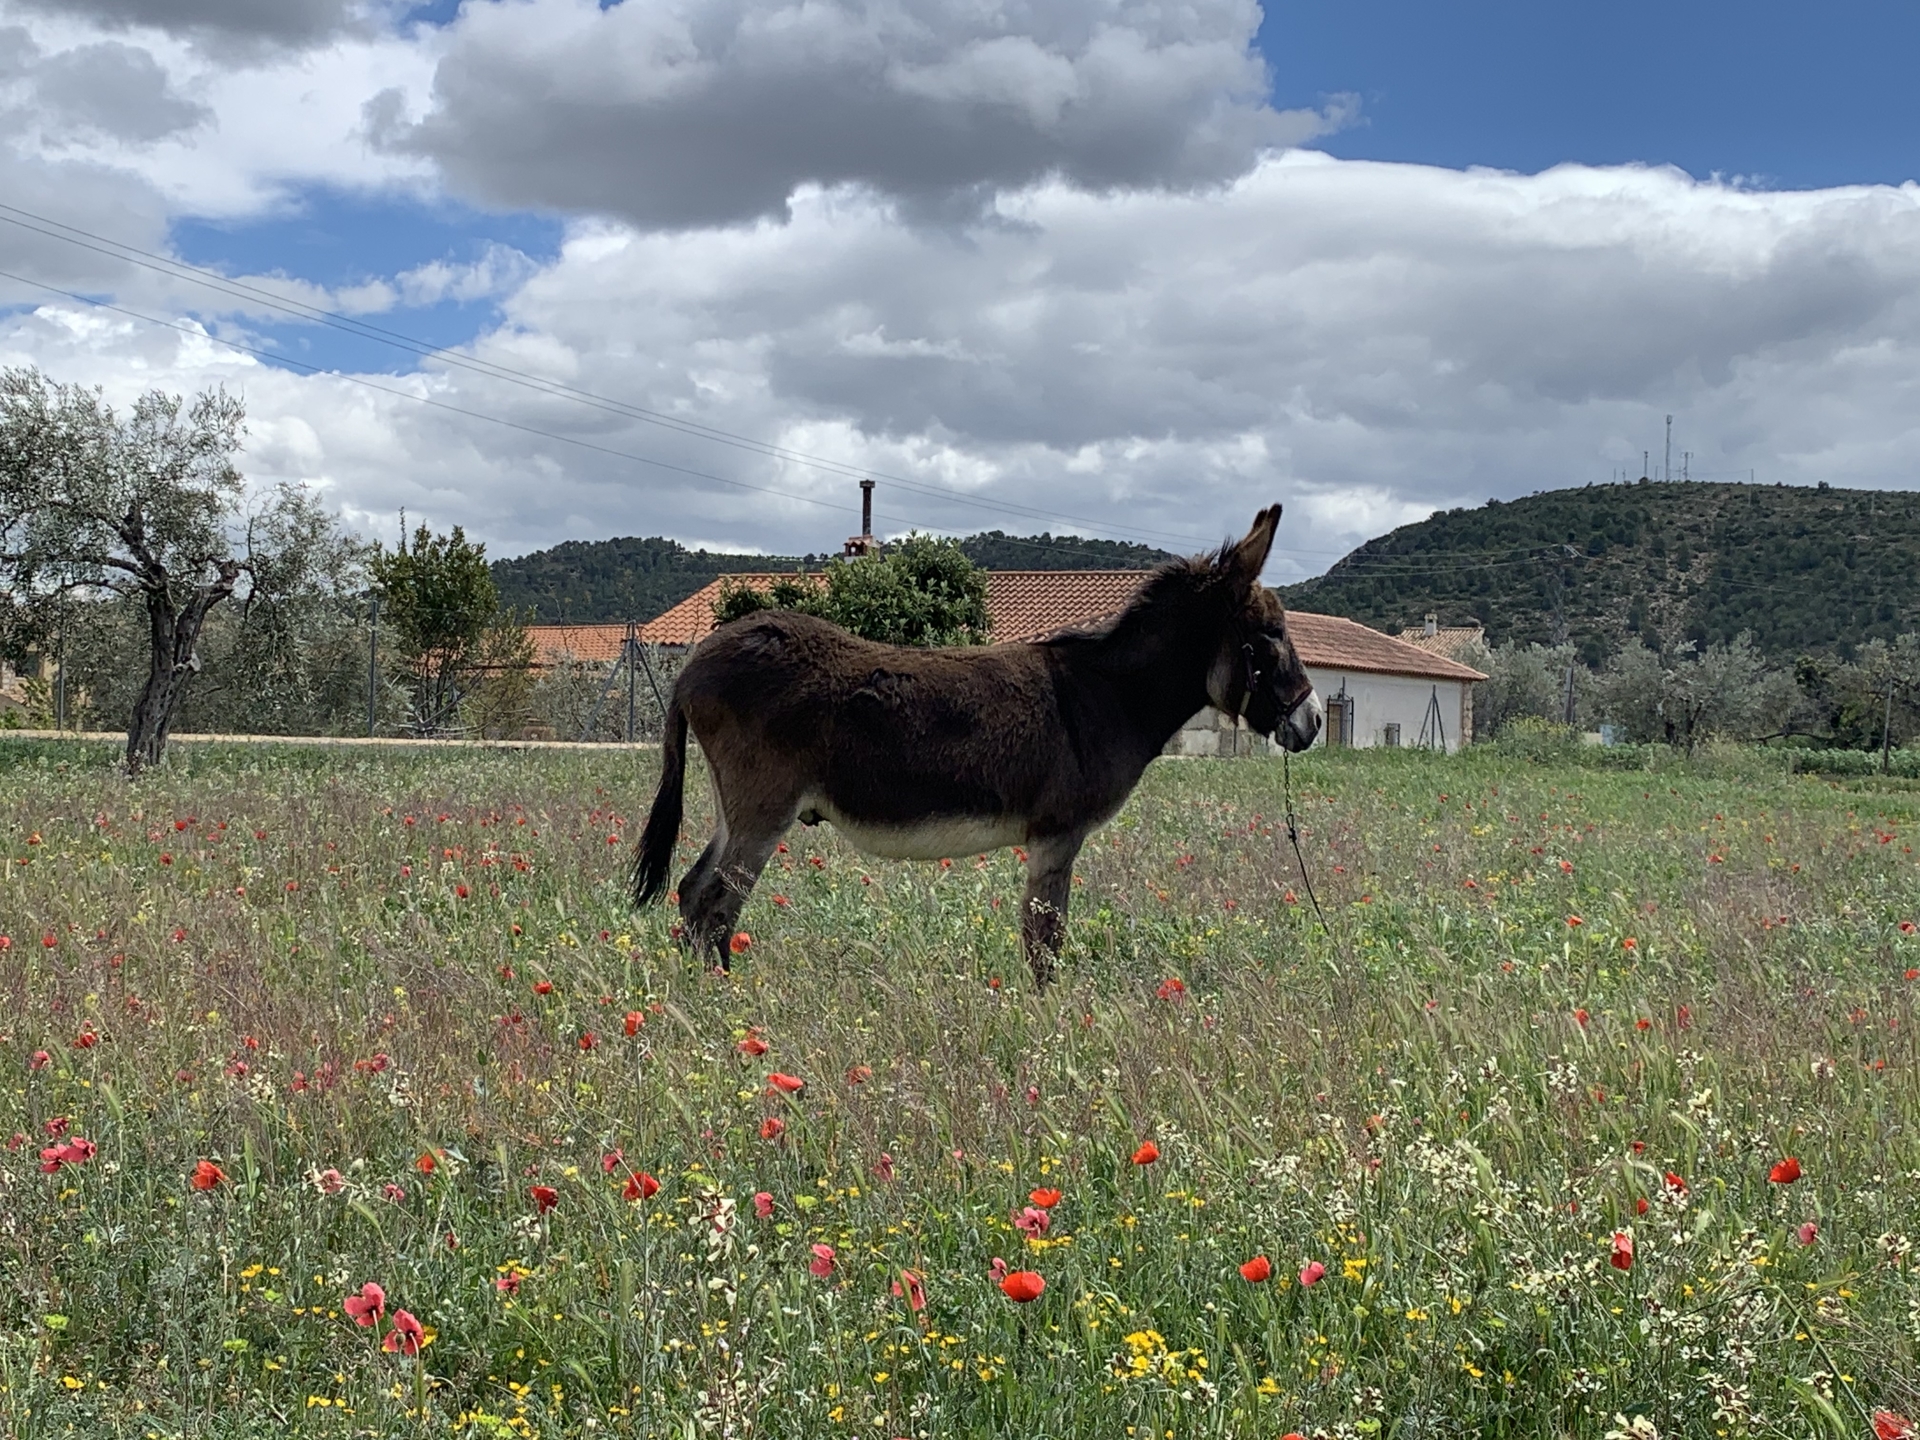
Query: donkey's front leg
(1043,913)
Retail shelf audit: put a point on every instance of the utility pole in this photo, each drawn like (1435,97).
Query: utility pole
(1686,464)
(373,662)
(633,673)
(1666,467)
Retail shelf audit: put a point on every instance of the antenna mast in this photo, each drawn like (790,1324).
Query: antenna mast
(1666,466)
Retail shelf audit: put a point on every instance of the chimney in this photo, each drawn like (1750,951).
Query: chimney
(862,544)
(1433,624)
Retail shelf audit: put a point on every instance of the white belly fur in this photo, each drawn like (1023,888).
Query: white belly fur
(936,838)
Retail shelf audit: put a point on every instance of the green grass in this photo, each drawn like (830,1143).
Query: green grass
(1452,1104)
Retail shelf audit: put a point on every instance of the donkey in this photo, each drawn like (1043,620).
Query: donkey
(918,754)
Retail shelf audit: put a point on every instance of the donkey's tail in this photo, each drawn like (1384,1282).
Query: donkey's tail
(653,856)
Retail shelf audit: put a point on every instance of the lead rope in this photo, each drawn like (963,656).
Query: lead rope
(1293,835)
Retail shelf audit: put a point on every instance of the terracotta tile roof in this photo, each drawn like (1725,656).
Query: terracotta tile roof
(1026,605)
(591,643)
(1329,642)
(692,618)
(1447,640)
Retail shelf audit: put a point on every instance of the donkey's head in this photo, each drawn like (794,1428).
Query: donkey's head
(1256,674)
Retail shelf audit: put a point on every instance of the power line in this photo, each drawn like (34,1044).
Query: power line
(238,289)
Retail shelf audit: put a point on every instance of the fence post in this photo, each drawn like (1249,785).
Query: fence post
(373,665)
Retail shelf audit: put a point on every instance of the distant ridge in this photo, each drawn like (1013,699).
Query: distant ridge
(601,581)
(1807,571)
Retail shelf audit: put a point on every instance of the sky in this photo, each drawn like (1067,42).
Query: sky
(559,269)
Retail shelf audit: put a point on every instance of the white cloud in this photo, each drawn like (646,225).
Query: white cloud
(1148,339)
(1367,342)
(698,112)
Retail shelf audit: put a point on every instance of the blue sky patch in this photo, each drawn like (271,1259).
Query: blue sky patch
(1788,95)
(339,240)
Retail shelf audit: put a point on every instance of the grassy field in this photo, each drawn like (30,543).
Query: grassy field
(280,1023)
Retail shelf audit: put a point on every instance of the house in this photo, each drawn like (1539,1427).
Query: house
(1378,690)
(1456,642)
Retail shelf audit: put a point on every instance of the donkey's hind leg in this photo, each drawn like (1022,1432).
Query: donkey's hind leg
(745,845)
(1043,911)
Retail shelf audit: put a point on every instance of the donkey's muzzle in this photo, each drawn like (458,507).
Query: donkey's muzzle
(1302,727)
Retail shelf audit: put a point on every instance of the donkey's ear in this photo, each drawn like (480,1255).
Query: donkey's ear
(1247,559)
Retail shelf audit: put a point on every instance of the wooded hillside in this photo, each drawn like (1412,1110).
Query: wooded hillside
(1806,571)
(636,579)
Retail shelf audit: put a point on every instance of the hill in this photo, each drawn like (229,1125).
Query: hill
(636,579)
(1805,571)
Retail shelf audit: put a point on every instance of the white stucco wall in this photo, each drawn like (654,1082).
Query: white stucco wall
(1382,700)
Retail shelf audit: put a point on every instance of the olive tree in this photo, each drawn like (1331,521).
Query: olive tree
(147,506)
(1683,696)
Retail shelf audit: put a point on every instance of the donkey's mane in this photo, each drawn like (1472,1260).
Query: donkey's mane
(1172,582)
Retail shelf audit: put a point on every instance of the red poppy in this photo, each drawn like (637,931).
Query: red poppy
(1808,1233)
(207,1176)
(1913,974)
(633,1023)
(1580,1018)
(1640,1205)
(1312,1273)
(40,1060)
(1889,1425)
(859,1074)
(821,1266)
(1022,1286)
(1171,988)
(610,1161)
(545,1197)
(426,1164)
(1676,1185)
(1620,1255)
(1643,1023)
(461,891)
(786,1084)
(640,1186)
(509,1283)
(913,1288)
(85,1040)
(1257,1271)
(883,1167)
(752,1045)
(772,1128)
(740,943)
(1629,943)
(1045,1199)
(1906,927)
(1146,1154)
(588,1040)
(543,987)
(1032,1220)
(763,1204)
(1784,1172)
(368,1306)
(406,1336)
(1574,920)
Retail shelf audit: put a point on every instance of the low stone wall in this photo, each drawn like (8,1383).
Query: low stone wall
(1213,733)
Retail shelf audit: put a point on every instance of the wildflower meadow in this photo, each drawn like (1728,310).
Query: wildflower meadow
(345,1095)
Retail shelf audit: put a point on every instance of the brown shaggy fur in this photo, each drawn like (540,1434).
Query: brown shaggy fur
(926,753)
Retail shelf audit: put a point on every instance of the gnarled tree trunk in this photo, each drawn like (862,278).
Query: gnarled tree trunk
(172,662)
